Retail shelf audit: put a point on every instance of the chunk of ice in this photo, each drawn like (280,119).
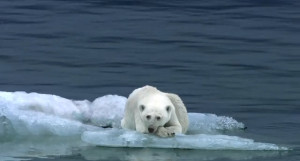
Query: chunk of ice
(125,138)
(108,110)
(33,114)
(39,114)
(42,114)
(211,123)
(26,123)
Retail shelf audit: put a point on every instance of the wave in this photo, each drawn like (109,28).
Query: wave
(32,114)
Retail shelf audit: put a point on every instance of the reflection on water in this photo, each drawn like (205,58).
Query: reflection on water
(145,154)
(40,146)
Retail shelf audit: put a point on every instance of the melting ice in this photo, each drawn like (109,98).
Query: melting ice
(32,114)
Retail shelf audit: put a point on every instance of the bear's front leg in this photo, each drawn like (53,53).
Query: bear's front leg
(165,132)
(168,131)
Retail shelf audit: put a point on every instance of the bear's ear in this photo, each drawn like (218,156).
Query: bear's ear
(168,108)
(142,107)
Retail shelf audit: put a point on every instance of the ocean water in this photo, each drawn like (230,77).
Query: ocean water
(231,58)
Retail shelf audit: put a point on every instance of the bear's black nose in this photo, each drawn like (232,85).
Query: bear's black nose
(151,130)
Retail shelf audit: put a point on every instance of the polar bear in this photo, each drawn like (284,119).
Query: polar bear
(149,110)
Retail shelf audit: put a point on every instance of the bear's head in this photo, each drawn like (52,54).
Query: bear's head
(155,111)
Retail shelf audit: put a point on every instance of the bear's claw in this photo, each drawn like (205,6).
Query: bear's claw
(163,132)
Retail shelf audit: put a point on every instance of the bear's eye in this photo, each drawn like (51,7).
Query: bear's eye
(142,107)
(158,118)
(168,108)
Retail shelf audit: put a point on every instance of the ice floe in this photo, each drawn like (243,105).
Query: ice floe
(32,114)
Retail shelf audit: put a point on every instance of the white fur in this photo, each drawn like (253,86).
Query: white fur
(149,110)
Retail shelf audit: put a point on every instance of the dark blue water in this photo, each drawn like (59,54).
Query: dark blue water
(231,57)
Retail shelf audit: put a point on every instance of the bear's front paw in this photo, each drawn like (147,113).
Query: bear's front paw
(163,132)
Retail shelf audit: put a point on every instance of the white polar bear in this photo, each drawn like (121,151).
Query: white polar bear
(149,110)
